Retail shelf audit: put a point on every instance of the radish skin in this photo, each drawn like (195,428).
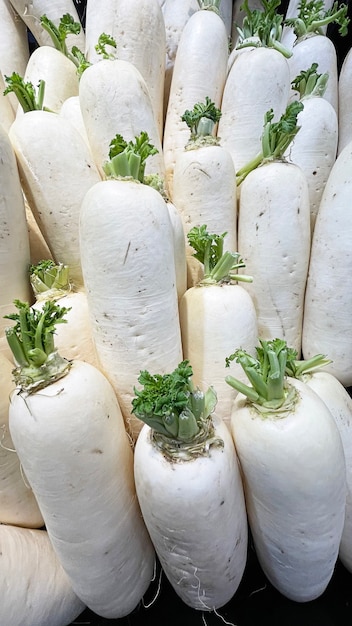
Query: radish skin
(129,275)
(201,500)
(35,587)
(114,98)
(344,98)
(54,192)
(18,505)
(179,249)
(214,319)
(295,494)
(274,241)
(14,48)
(328,300)
(199,71)
(72,443)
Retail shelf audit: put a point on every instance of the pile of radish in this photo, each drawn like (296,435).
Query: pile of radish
(175,302)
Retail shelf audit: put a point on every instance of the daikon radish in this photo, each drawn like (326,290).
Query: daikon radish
(7,114)
(199,71)
(314,147)
(38,247)
(344,99)
(31,13)
(312,44)
(189,487)
(204,183)
(274,232)
(34,587)
(14,49)
(214,315)
(328,300)
(339,402)
(294,473)
(52,282)
(54,192)
(69,434)
(139,31)
(71,110)
(14,248)
(129,272)
(292,11)
(114,98)
(258,80)
(18,505)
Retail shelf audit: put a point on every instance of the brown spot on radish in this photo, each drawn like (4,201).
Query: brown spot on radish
(96,451)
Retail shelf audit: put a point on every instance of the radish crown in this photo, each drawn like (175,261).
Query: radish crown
(262,28)
(268,390)
(313,17)
(178,413)
(299,368)
(210,5)
(201,121)
(128,159)
(276,138)
(310,83)
(49,280)
(31,341)
(30,98)
(219,266)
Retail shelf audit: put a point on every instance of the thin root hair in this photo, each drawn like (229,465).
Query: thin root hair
(2,445)
(157,593)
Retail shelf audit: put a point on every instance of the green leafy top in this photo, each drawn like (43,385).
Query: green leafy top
(101,47)
(49,279)
(128,159)
(262,27)
(201,121)
(219,266)
(299,368)
(313,17)
(310,83)
(178,413)
(31,340)
(276,138)
(58,34)
(30,98)
(268,391)
(210,5)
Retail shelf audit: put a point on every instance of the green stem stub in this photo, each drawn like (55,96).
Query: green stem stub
(178,413)
(309,83)
(268,390)
(128,159)
(31,340)
(30,98)
(201,121)
(262,27)
(219,266)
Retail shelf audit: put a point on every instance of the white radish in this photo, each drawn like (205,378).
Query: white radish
(18,505)
(34,586)
(339,402)
(14,248)
(204,183)
(274,240)
(179,249)
(14,48)
(7,113)
(71,110)
(199,71)
(191,497)
(127,253)
(328,299)
(139,31)
(74,339)
(344,99)
(294,474)
(57,71)
(31,13)
(54,192)
(258,80)
(114,98)
(69,434)
(315,146)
